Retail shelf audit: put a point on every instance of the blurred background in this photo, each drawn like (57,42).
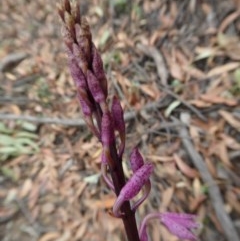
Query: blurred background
(175,65)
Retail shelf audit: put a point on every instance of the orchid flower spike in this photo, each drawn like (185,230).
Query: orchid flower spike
(133,186)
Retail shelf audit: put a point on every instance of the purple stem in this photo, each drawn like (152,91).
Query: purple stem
(116,171)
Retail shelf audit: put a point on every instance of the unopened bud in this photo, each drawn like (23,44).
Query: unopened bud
(95,87)
(77,74)
(86,106)
(97,67)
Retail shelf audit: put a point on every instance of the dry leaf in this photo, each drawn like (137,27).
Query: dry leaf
(223,69)
(221,152)
(160,158)
(26,188)
(230,142)
(218,100)
(228,20)
(200,103)
(230,119)
(185,169)
(166,197)
(52,236)
(81,231)
(196,202)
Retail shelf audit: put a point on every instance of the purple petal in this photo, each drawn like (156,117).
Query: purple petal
(136,159)
(136,182)
(186,220)
(177,229)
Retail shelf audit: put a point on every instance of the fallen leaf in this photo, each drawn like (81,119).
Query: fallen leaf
(166,197)
(26,188)
(52,236)
(221,152)
(81,231)
(184,168)
(200,103)
(230,142)
(223,69)
(230,119)
(196,202)
(218,99)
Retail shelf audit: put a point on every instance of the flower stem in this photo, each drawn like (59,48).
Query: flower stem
(116,171)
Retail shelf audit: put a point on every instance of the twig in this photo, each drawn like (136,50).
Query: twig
(214,191)
(17,100)
(77,122)
(43,120)
(11,61)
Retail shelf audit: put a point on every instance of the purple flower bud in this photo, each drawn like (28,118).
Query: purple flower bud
(133,186)
(97,67)
(77,74)
(136,182)
(107,132)
(117,114)
(86,106)
(80,58)
(84,38)
(136,159)
(97,63)
(95,87)
(180,225)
